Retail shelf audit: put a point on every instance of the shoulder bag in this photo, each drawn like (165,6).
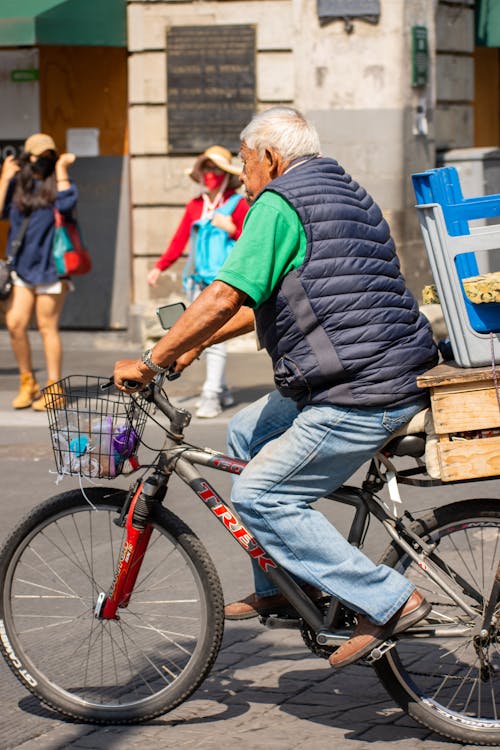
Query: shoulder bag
(70,256)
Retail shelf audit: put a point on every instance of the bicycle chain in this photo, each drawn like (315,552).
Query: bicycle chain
(309,636)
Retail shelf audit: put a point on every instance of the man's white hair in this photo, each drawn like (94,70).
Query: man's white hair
(284,129)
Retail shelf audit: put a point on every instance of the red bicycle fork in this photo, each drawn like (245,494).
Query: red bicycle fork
(129,565)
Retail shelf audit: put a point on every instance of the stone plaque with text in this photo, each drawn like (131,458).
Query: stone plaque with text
(210,86)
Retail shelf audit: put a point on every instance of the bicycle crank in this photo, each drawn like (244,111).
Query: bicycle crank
(275,621)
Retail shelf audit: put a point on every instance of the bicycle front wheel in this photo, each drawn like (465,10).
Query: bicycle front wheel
(52,569)
(450,682)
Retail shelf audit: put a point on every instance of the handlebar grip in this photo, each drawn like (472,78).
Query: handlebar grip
(132,384)
(171,374)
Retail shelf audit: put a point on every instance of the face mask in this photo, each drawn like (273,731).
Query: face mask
(44,166)
(213,180)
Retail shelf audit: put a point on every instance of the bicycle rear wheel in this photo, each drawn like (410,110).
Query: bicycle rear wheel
(451,683)
(52,569)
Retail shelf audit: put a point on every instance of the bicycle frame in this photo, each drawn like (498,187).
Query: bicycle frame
(362,499)
(113,606)
(180,458)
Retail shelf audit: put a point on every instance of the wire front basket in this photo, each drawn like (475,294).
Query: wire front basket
(94,432)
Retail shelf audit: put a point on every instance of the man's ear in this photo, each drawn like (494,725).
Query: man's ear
(275,162)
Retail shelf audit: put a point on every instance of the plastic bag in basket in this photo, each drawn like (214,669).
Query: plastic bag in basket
(74,455)
(100,439)
(125,442)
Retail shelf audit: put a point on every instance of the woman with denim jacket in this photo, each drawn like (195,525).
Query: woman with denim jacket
(30,188)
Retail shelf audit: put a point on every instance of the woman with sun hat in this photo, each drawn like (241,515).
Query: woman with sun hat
(212,222)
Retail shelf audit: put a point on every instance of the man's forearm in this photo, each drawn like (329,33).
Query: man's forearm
(203,319)
(242,322)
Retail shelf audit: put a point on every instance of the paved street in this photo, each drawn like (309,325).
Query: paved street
(266,688)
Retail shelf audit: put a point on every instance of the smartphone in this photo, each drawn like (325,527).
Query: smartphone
(170,314)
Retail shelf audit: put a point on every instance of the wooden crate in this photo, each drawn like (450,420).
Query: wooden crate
(465,401)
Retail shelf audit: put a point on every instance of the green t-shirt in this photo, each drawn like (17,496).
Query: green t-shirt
(273,243)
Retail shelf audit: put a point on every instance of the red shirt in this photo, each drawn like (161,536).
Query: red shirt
(192,213)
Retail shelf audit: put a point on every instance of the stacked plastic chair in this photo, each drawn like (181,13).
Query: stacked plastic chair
(454,248)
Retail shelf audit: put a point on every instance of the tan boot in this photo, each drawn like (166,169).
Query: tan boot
(50,397)
(28,391)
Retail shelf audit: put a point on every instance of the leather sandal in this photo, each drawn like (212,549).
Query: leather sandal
(366,636)
(255,606)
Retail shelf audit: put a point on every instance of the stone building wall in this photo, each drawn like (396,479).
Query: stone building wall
(454,127)
(355,87)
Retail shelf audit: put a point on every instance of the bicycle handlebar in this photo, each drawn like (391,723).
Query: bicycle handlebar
(179,418)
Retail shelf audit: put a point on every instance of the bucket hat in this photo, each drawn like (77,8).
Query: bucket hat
(37,143)
(222,158)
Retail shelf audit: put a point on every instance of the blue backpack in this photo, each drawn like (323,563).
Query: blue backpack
(210,246)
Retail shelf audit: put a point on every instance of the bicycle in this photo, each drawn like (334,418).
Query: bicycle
(111,610)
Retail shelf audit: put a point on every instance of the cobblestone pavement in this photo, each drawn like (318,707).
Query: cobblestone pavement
(266,688)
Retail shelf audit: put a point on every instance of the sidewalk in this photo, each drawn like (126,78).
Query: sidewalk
(249,372)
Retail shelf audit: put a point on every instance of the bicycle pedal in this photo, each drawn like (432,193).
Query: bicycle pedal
(379,651)
(276,621)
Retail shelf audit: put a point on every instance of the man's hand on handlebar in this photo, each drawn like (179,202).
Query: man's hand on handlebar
(132,375)
(132,370)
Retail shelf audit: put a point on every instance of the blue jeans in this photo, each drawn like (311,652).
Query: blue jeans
(296,458)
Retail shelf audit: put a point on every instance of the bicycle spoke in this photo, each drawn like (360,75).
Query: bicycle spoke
(113,662)
(458,673)
(493,699)
(50,568)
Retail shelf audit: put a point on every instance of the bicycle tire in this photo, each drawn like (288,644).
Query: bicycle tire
(53,566)
(438,681)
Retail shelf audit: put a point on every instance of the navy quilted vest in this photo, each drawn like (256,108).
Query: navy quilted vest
(343,328)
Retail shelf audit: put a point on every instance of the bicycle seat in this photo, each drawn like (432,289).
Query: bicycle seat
(406,445)
(410,439)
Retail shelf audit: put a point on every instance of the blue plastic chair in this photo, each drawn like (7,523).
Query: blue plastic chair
(442,186)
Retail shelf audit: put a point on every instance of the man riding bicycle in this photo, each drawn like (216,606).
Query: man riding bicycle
(315,271)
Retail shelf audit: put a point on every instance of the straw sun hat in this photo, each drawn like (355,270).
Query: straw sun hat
(222,158)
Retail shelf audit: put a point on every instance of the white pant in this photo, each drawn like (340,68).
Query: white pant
(215,380)
(215,356)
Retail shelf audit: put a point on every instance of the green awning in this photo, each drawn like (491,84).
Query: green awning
(488,23)
(72,22)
